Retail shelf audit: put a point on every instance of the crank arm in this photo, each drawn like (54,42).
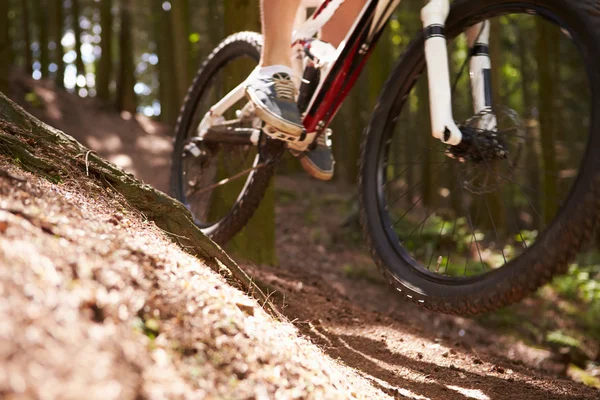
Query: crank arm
(230,135)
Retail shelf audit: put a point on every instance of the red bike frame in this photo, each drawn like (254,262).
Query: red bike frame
(352,58)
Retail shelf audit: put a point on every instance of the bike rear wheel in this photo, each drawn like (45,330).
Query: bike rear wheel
(471,234)
(222,183)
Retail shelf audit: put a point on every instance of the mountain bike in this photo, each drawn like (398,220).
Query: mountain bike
(466,214)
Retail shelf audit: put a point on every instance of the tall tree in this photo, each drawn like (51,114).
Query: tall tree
(181,45)
(256,242)
(105,65)
(76,13)
(26,36)
(42,21)
(126,99)
(168,97)
(5,48)
(58,31)
(546,93)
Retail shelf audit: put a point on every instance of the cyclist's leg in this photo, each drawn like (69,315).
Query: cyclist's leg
(277,24)
(338,26)
(319,161)
(270,86)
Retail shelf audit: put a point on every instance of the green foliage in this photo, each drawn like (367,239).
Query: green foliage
(581,282)
(560,338)
(33,99)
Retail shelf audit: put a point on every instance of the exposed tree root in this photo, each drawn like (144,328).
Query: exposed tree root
(56,156)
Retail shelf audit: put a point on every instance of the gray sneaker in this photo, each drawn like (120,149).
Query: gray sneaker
(274,98)
(319,162)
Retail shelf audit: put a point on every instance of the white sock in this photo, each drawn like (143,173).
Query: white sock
(268,72)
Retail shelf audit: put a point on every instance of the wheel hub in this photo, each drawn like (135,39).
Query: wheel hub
(479,145)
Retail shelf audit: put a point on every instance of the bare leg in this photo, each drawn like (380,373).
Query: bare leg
(338,26)
(277,24)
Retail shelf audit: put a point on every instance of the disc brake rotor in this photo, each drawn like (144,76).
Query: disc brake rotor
(490,151)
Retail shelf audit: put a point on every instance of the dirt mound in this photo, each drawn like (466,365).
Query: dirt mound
(95,302)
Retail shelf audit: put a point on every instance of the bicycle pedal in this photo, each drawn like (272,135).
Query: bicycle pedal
(283,136)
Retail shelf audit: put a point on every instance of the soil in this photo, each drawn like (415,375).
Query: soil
(328,287)
(96,303)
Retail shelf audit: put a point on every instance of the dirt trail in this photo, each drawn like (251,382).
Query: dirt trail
(132,142)
(327,285)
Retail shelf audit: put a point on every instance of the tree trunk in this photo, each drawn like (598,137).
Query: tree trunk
(57,157)
(42,19)
(256,242)
(547,120)
(77,32)
(215,24)
(126,99)
(105,65)
(59,25)
(5,48)
(27,37)
(169,103)
(181,48)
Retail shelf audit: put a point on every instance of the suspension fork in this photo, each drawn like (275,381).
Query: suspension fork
(480,66)
(434,16)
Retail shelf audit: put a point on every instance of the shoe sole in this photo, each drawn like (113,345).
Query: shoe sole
(313,171)
(295,131)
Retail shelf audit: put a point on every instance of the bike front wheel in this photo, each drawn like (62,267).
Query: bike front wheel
(468,232)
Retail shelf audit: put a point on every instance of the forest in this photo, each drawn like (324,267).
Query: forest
(114,75)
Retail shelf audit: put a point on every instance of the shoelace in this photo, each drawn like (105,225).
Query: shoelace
(285,87)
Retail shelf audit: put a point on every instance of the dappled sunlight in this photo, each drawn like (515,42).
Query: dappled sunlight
(49,98)
(126,115)
(122,161)
(133,142)
(469,393)
(149,126)
(153,145)
(336,297)
(110,143)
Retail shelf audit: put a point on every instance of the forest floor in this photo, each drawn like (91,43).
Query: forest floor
(328,287)
(97,303)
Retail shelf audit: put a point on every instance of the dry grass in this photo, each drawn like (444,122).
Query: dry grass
(95,302)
